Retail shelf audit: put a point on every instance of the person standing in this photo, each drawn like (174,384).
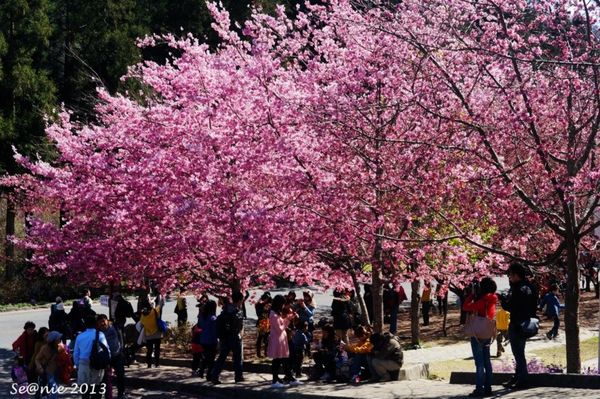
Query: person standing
(24,346)
(84,344)
(115,345)
(426,302)
(207,323)
(521,302)
(47,362)
(152,334)
(552,304)
(278,349)
(262,307)
(181,310)
(502,322)
(484,305)
(341,312)
(230,325)
(123,310)
(397,296)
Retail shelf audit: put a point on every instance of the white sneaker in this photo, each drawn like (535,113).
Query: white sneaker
(295,383)
(277,385)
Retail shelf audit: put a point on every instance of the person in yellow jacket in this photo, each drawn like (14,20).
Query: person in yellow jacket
(502,321)
(152,334)
(358,352)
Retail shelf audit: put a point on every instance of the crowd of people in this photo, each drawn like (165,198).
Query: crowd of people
(86,345)
(342,345)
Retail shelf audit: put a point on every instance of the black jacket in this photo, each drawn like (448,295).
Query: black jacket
(521,301)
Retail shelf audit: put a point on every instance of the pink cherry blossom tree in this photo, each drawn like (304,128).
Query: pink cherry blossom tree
(515,85)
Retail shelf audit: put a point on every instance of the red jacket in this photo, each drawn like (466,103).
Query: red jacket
(484,306)
(25,345)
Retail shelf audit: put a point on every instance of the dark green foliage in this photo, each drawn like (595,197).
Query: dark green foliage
(27,93)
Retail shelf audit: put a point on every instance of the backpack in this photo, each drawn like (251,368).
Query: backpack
(228,324)
(100,356)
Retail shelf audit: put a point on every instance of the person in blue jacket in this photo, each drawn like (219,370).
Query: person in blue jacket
(550,300)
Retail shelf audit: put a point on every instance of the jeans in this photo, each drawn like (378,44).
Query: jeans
(358,362)
(517,345)
(153,345)
(554,331)
(483,363)
(52,387)
(394,320)
(230,344)
(296,359)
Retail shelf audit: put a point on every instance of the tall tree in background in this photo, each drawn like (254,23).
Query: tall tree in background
(93,43)
(26,92)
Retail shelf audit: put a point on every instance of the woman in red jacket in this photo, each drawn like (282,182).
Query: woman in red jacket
(483,304)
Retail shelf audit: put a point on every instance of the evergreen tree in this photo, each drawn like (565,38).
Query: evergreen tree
(26,91)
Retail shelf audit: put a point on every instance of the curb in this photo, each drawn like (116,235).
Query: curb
(535,380)
(409,371)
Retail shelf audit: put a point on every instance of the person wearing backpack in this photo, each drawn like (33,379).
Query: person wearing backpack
(484,305)
(89,356)
(521,302)
(230,324)
(115,345)
(151,322)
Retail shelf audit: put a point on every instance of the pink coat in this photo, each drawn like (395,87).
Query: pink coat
(278,343)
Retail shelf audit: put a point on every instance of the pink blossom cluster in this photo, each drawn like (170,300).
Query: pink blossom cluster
(425,139)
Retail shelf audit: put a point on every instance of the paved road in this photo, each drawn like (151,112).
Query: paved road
(11,323)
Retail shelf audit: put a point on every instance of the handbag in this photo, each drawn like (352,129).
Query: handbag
(160,323)
(480,327)
(529,327)
(100,355)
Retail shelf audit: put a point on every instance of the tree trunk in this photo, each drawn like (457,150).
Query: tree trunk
(572,309)
(415,299)
(377,292)
(9,248)
(361,301)
(445,313)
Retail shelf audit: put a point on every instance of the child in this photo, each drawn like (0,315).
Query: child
(324,357)
(358,354)
(502,322)
(19,376)
(298,345)
(550,300)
